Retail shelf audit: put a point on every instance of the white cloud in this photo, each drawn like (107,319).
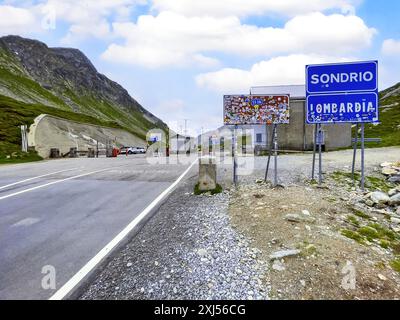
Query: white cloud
(90,18)
(173,39)
(220,8)
(276,71)
(391,47)
(15,20)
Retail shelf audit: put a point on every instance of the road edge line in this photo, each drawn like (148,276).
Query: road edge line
(34,178)
(51,183)
(67,289)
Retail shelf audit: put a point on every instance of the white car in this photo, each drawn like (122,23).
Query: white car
(136,150)
(132,150)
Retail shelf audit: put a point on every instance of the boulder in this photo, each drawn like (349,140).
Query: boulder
(387,171)
(379,197)
(395,178)
(395,200)
(386,164)
(294,217)
(369,203)
(395,220)
(278,266)
(284,253)
(392,192)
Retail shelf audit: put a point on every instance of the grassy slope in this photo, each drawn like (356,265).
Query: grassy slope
(16,83)
(389,129)
(14,113)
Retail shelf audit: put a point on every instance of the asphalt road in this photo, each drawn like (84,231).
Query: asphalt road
(62,212)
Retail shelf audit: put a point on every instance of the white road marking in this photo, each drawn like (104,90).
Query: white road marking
(33,178)
(88,267)
(26,222)
(51,183)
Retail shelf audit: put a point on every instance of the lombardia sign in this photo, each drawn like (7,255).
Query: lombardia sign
(346,92)
(246,109)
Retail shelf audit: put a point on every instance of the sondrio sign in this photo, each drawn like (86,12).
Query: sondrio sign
(346,92)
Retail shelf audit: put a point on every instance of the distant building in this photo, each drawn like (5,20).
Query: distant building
(294,136)
(180,143)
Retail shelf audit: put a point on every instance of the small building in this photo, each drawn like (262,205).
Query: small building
(297,135)
(181,144)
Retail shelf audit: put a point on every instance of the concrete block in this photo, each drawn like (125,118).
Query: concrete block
(91,153)
(73,152)
(54,153)
(207,175)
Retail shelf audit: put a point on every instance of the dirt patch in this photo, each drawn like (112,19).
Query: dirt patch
(311,220)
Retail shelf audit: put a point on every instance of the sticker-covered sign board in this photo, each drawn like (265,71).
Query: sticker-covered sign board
(249,109)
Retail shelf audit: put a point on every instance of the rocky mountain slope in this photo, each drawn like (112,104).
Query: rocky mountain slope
(65,79)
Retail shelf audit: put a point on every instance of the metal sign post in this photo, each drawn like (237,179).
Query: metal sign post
(362,156)
(320,137)
(275,156)
(355,145)
(273,149)
(314,151)
(234,151)
(269,155)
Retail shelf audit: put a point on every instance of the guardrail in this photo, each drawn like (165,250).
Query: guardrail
(378,140)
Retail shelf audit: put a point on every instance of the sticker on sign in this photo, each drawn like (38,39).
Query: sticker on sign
(246,109)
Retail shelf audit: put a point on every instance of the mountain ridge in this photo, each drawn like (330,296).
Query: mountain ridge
(64,78)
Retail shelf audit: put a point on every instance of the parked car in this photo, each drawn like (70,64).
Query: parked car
(138,150)
(132,150)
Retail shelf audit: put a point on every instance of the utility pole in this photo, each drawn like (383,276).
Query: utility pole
(185,127)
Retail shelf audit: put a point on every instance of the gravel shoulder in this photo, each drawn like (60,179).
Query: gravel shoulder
(188,250)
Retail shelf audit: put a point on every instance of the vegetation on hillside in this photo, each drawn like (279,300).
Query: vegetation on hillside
(389,128)
(14,113)
(65,79)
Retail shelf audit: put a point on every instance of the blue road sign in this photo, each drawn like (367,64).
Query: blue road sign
(351,107)
(342,93)
(345,77)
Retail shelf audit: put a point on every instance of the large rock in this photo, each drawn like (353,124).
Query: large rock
(387,171)
(386,164)
(395,220)
(278,266)
(379,197)
(284,253)
(395,178)
(294,217)
(395,200)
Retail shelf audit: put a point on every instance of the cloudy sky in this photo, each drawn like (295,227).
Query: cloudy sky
(178,57)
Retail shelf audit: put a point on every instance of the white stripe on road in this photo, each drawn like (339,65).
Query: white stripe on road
(51,183)
(33,178)
(88,267)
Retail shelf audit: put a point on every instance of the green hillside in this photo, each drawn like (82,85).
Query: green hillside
(14,113)
(389,128)
(64,78)
(36,79)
